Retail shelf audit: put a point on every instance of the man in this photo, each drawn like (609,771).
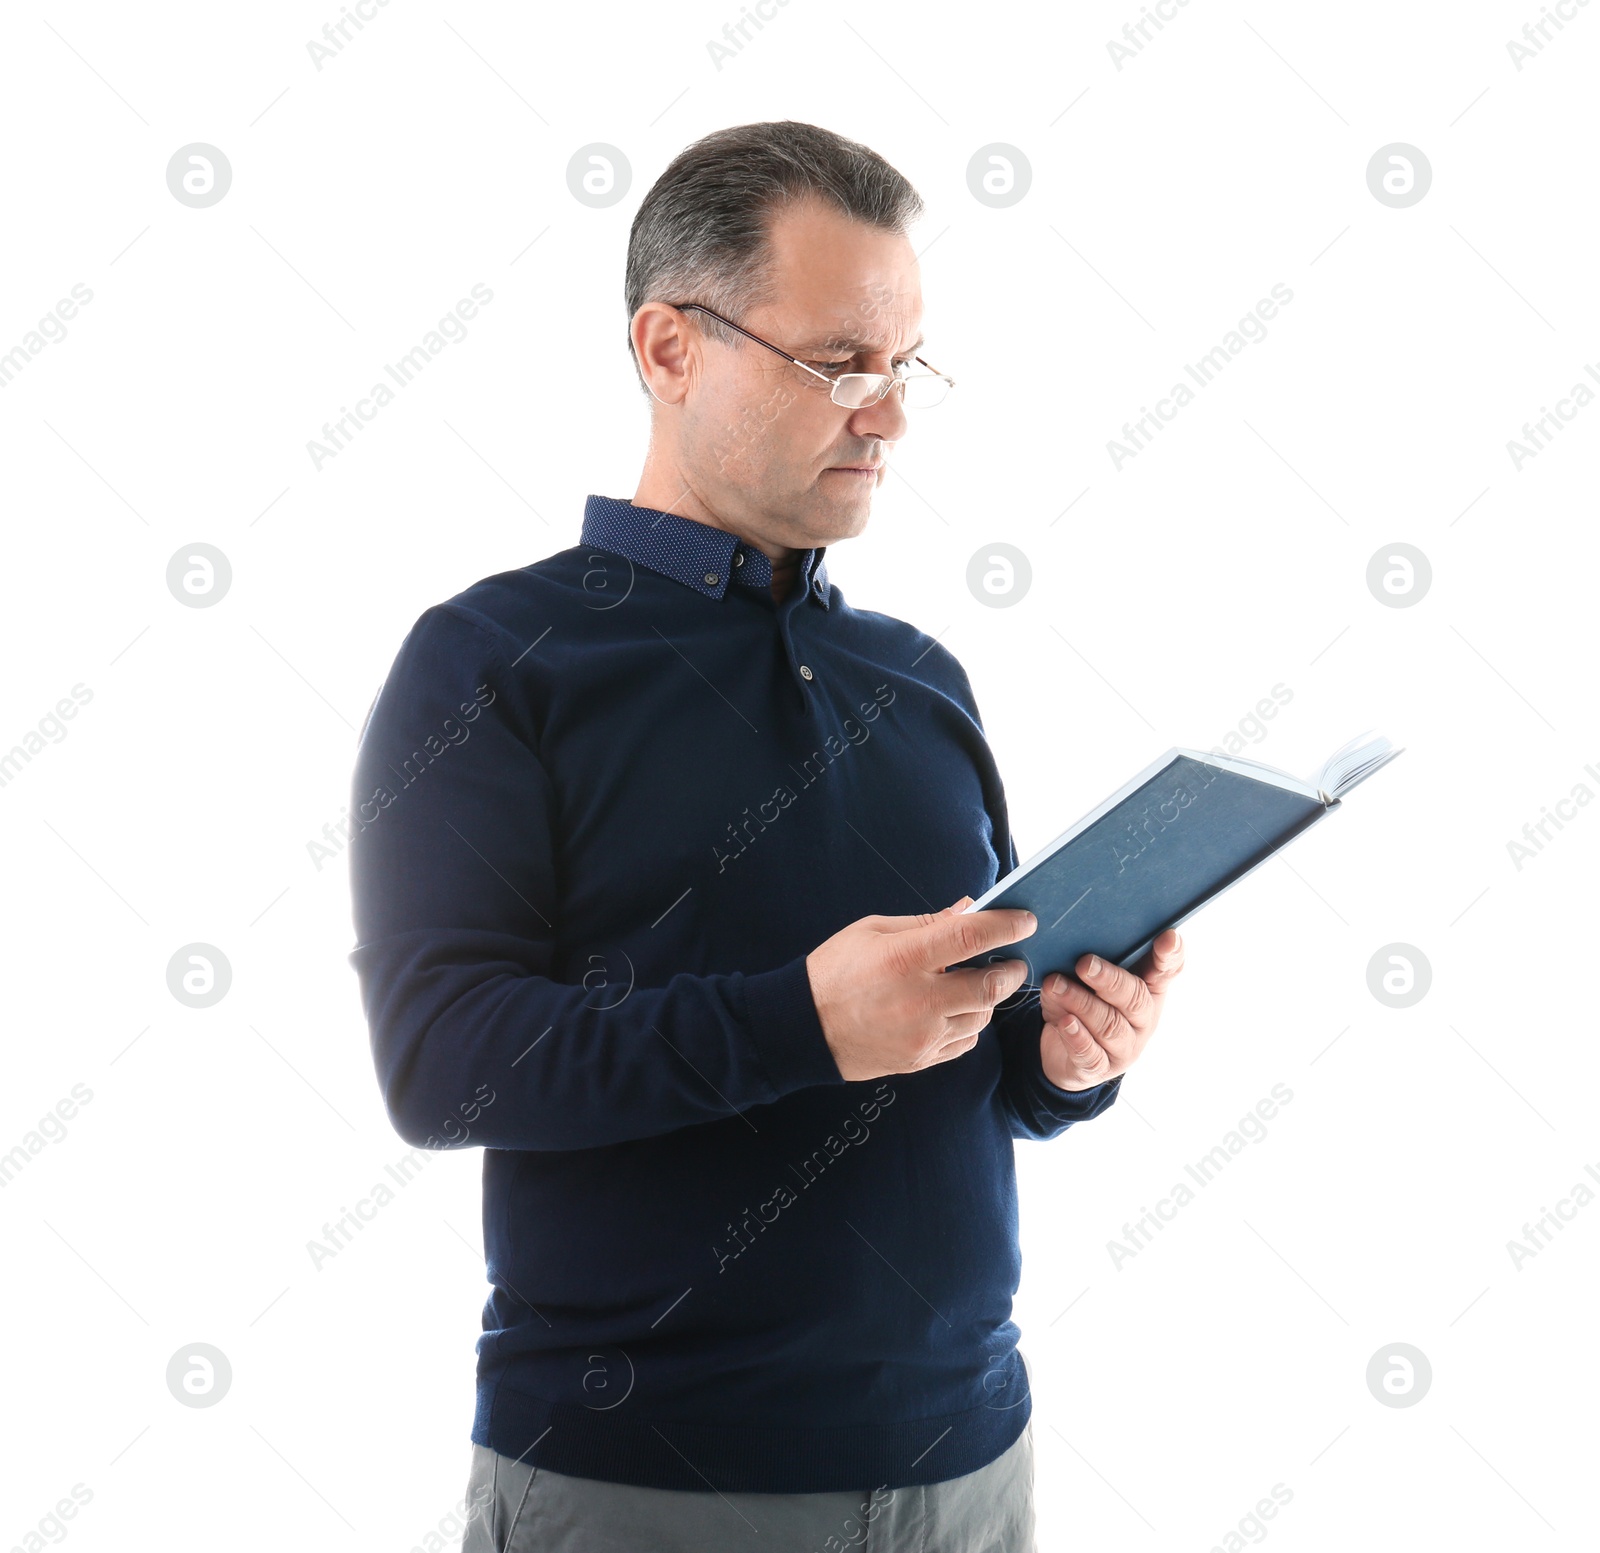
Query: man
(662,847)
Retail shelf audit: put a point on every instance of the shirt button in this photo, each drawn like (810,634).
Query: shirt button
(805,672)
(738,559)
(711,578)
(820,587)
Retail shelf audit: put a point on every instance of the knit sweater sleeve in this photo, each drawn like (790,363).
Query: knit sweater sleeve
(454,867)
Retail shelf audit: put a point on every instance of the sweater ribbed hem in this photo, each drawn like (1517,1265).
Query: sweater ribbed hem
(740,1458)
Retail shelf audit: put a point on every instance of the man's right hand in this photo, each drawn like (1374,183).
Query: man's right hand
(887,1003)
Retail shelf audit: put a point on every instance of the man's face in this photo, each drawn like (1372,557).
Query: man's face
(761,444)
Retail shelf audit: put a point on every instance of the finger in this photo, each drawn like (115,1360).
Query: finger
(959,935)
(1085,1056)
(1121,989)
(978,989)
(949,1052)
(975,1021)
(1061,995)
(1058,1003)
(958,1036)
(1163,962)
(887,924)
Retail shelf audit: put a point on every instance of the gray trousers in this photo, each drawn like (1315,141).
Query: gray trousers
(515,1508)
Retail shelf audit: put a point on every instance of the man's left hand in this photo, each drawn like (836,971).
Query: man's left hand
(1096,1026)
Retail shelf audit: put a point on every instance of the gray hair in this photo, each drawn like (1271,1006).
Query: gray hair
(700,234)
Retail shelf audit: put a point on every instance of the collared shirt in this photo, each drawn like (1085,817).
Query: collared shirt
(604,808)
(701,557)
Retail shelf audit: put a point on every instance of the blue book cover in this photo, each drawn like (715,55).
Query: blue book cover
(1185,829)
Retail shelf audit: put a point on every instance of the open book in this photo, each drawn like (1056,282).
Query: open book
(1185,829)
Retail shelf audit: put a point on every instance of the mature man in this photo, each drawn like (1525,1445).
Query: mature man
(662,847)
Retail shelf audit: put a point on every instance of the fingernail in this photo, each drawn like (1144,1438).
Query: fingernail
(1070,1026)
(1094,965)
(1058,983)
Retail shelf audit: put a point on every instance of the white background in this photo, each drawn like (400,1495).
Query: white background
(1168,597)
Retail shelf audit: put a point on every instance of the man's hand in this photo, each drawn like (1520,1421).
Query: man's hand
(1093,1035)
(887,1003)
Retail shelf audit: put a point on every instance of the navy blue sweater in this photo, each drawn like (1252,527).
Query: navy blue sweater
(604,807)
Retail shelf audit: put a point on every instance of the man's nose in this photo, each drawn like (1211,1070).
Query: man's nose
(885,420)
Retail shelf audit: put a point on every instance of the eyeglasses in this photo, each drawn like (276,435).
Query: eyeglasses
(854,390)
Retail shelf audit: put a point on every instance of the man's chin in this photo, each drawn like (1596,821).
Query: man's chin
(842,491)
(844,514)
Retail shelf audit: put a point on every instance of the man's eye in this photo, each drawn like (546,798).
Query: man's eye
(900,368)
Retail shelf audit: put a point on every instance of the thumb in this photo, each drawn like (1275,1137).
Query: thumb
(921,918)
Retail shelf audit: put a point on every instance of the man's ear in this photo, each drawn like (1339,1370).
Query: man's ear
(663,349)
